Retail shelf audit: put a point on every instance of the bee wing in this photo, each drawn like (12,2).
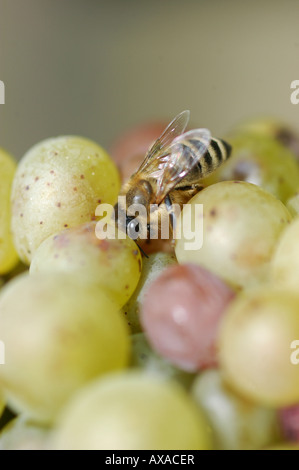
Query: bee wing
(162,144)
(185,152)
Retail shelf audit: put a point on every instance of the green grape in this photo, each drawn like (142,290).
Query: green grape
(8,255)
(132,411)
(18,269)
(23,434)
(114,264)
(59,333)
(58,184)
(241,226)
(262,161)
(2,402)
(255,345)
(274,129)
(148,360)
(237,423)
(292,204)
(284,446)
(152,267)
(285,262)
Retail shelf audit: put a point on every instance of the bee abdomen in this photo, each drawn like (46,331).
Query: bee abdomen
(217,153)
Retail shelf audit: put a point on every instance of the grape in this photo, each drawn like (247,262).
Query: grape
(292,204)
(132,411)
(255,345)
(180,315)
(22,434)
(18,269)
(8,255)
(145,358)
(2,402)
(114,264)
(130,148)
(237,424)
(271,128)
(241,225)
(262,161)
(285,262)
(59,333)
(58,184)
(289,418)
(152,267)
(284,446)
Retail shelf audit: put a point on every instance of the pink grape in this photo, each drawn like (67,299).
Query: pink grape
(181,312)
(289,418)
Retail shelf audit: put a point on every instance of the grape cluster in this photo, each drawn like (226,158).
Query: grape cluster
(183,349)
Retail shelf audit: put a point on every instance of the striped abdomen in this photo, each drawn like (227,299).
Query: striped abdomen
(217,153)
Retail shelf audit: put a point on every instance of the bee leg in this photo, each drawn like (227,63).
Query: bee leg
(187,192)
(168,204)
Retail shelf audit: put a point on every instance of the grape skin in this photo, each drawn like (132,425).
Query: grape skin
(285,261)
(262,161)
(255,345)
(129,411)
(180,315)
(145,358)
(151,268)
(58,184)
(241,226)
(2,403)
(8,255)
(22,434)
(237,423)
(59,334)
(289,418)
(113,264)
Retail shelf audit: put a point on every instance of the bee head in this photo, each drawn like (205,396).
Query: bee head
(140,193)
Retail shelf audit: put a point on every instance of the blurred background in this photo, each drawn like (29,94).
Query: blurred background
(96,68)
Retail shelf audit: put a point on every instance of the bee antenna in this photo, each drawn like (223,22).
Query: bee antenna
(143,252)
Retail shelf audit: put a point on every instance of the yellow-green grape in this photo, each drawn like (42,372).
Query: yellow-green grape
(59,333)
(145,358)
(58,184)
(256,346)
(241,226)
(132,411)
(274,129)
(2,402)
(113,264)
(237,423)
(292,204)
(262,161)
(285,262)
(152,267)
(284,446)
(8,255)
(23,434)
(16,271)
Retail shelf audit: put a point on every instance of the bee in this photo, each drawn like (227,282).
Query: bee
(169,175)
